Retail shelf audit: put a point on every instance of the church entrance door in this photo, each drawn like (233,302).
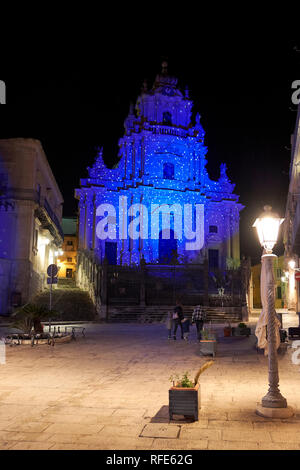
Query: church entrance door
(167,248)
(111,252)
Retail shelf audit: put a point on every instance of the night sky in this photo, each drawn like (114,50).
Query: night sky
(75,102)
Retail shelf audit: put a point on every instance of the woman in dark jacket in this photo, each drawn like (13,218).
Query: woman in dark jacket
(177,318)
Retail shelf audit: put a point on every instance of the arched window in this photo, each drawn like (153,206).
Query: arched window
(168,171)
(167,118)
(213,229)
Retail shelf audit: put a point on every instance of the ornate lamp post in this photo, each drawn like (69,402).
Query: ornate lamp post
(273,404)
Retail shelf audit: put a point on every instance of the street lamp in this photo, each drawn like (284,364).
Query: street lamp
(292,264)
(273,405)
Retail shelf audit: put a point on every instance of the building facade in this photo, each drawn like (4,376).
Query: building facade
(67,259)
(291,225)
(158,202)
(281,287)
(30,221)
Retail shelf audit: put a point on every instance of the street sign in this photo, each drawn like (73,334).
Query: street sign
(51,280)
(52,270)
(297,275)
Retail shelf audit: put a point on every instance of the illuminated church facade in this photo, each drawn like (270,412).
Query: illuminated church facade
(160,179)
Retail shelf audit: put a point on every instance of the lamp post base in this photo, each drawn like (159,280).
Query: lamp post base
(279,413)
(274,399)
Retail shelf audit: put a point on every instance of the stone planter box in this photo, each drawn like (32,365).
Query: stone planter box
(184,401)
(208,347)
(236,331)
(63,338)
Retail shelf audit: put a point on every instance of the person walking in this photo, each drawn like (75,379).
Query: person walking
(177,318)
(169,324)
(199,317)
(185,328)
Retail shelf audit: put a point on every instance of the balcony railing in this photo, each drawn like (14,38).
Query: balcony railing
(9,195)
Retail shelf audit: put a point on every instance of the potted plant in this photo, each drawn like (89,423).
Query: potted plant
(227,330)
(208,343)
(241,330)
(184,395)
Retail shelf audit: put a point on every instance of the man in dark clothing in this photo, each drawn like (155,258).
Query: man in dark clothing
(199,317)
(177,317)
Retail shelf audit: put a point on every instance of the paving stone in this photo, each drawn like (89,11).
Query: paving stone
(232,445)
(119,443)
(76,446)
(213,414)
(278,426)
(278,446)
(120,430)
(202,434)
(160,430)
(9,436)
(201,424)
(245,425)
(179,444)
(66,438)
(247,436)
(243,416)
(31,446)
(34,426)
(5,445)
(136,412)
(285,436)
(69,418)
(71,428)
(32,436)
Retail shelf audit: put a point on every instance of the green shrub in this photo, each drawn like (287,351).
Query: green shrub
(29,317)
(184,382)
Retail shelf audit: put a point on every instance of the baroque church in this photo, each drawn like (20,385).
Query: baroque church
(158,203)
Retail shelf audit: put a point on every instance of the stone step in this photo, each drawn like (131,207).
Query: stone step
(66,283)
(158,314)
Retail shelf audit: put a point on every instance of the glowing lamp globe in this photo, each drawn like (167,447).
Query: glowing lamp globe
(267,225)
(292,264)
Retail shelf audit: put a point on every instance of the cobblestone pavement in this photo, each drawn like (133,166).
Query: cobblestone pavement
(109,390)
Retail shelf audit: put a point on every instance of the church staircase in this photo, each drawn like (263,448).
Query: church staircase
(156,313)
